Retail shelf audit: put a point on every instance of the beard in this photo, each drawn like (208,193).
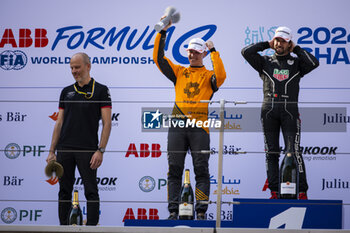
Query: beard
(281,51)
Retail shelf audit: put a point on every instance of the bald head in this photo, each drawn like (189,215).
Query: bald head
(80,67)
(83,56)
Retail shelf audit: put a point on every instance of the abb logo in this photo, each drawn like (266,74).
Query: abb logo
(141,214)
(25,38)
(144,151)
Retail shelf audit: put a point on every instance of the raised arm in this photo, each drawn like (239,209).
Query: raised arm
(218,66)
(250,53)
(308,62)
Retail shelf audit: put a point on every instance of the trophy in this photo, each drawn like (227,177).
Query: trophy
(54,167)
(171,15)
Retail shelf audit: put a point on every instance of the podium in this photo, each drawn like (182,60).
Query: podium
(266,213)
(287,214)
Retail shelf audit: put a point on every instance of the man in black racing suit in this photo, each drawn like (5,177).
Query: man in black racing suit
(281,74)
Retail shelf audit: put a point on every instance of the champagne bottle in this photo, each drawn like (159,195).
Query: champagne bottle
(289,174)
(186,208)
(75,214)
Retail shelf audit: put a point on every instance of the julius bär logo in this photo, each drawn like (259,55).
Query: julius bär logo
(12,151)
(13,60)
(147,184)
(8,215)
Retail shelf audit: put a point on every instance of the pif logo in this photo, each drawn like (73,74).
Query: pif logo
(13,60)
(13,150)
(141,214)
(9,215)
(147,184)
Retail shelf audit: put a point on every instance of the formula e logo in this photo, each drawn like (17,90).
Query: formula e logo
(13,60)
(74,37)
(152,120)
(8,215)
(147,184)
(12,150)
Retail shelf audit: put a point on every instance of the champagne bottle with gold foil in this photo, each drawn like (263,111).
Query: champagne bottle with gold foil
(289,173)
(75,214)
(186,206)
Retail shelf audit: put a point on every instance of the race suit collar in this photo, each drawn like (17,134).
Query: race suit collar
(197,66)
(284,57)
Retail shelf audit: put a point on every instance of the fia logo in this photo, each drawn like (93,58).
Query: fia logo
(152,119)
(13,60)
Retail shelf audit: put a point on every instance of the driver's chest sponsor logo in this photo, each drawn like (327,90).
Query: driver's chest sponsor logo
(280,75)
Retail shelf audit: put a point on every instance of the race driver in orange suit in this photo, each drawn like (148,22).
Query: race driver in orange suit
(192,84)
